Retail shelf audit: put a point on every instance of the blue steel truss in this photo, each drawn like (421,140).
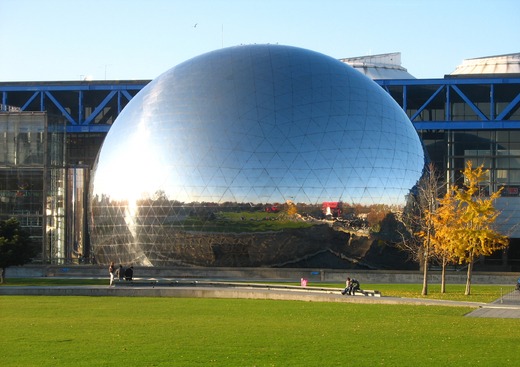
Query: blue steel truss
(494,103)
(82,103)
(431,104)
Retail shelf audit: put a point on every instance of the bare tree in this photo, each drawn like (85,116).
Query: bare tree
(416,241)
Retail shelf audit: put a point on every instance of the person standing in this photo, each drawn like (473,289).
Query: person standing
(111,271)
(120,272)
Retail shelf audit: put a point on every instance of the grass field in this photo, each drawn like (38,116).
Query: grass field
(241,222)
(107,331)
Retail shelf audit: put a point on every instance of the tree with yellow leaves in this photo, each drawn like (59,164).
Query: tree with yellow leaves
(445,221)
(463,222)
(291,208)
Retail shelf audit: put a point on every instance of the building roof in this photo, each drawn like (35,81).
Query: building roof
(382,66)
(489,65)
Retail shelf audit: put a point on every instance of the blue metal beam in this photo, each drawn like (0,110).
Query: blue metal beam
(32,98)
(492,102)
(447,81)
(94,128)
(100,107)
(80,107)
(126,94)
(447,104)
(466,125)
(509,107)
(405,98)
(421,109)
(24,95)
(69,87)
(61,108)
(470,103)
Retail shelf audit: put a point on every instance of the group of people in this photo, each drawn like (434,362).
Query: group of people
(351,286)
(120,273)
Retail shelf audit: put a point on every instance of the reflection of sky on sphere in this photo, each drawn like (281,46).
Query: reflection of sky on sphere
(261,124)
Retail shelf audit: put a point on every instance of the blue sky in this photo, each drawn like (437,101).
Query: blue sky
(47,40)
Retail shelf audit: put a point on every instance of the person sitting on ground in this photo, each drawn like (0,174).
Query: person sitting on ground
(354,286)
(347,287)
(129,273)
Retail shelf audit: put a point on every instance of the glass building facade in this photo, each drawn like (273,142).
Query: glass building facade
(32,178)
(259,155)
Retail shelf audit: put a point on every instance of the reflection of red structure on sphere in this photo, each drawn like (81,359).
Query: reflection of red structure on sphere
(333,208)
(272,208)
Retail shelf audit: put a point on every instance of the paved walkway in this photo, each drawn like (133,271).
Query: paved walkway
(507,306)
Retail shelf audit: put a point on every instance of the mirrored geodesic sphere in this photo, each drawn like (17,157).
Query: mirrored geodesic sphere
(260,155)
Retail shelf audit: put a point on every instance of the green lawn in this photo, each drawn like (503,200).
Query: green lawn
(241,222)
(108,331)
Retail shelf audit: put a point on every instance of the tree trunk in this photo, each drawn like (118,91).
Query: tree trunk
(468,279)
(425,273)
(2,276)
(443,276)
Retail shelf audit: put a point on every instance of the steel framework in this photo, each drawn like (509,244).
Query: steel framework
(458,103)
(431,104)
(88,106)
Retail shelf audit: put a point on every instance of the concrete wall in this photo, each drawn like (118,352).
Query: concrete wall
(265,274)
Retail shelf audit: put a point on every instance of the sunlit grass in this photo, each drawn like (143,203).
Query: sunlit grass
(140,331)
(243,222)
